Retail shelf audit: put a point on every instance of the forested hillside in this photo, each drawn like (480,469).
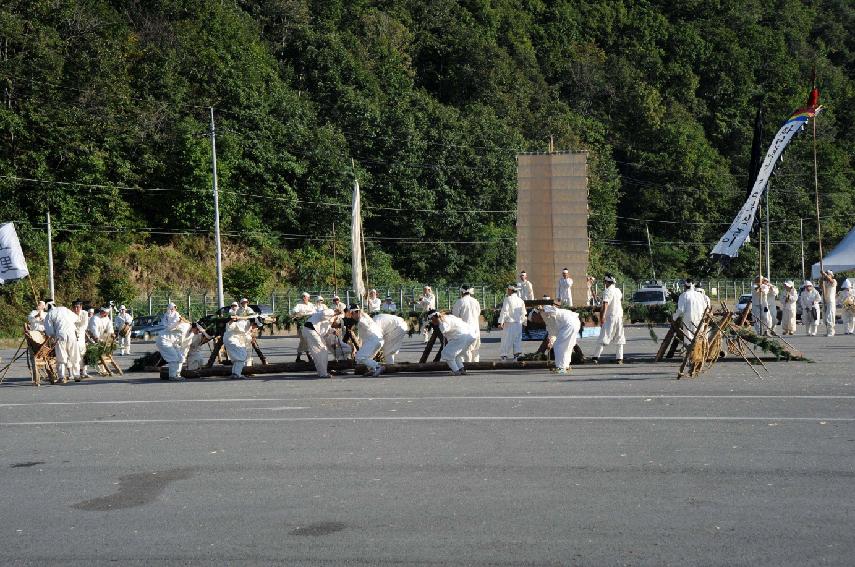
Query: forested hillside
(104,120)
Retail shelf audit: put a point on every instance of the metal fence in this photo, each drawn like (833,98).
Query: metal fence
(197,304)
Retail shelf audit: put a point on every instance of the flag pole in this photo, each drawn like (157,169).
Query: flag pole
(816,193)
(50,257)
(334,262)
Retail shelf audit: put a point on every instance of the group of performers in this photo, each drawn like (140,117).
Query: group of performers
(71,330)
(814,305)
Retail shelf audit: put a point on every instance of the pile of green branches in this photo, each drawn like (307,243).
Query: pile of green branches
(94,351)
(767,344)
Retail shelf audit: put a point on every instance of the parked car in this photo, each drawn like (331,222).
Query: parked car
(146,327)
(649,295)
(264,312)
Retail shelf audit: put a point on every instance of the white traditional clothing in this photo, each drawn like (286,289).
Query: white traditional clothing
(468,309)
(371,337)
(82,324)
(562,328)
(61,324)
(173,343)
(237,341)
(100,328)
(611,316)
(373,304)
(565,290)
(315,330)
(460,336)
(810,300)
(122,319)
(846,297)
(526,290)
(36,319)
(763,307)
(829,300)
(298,311)
(512,317)
(427,302)
(394,330)
(690,308)
(788,298)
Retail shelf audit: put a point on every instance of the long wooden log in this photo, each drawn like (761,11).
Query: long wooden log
(275,368)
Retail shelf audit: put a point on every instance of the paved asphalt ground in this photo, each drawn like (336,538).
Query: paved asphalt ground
(610,466)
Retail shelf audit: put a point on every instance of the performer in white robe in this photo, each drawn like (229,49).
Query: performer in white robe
(173,342)
(611,320)
(763,296)
(526,290)
(565,288)
(315,330)
(512,317)
(810,300)
(590,292)
(690,309)
(469,309)
(237,342)
(122,324)
(372,305)
(562,328)
(394,331)
(100,326)
(388,306)
(36,318)
(300,312)
(427,301)
(82,324)
(338,305)
(829,301)
(197,353)
(61,324)
(371,337)
(244,310)
(846,297)
(460,336)
(788,298)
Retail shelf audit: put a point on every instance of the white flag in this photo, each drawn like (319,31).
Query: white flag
(356,243)
(13,266)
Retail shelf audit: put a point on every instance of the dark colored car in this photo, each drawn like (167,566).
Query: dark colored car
(146,327)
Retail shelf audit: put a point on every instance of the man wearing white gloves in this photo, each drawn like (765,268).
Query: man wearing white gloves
(846,296)
(371,337)
(394,330)
(690,309)
(565,288)
(562,328)
(512,317)
(810,300)
(829,300)
(763,296)
(468,309)
(315,330)
(122,324)
(611,320)
(460,337)
(61,324)
(789,298)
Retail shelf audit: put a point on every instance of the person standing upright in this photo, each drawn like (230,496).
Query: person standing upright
(846,296)
(526,288)
(763,305)
(123,324)
(611,320)
(829,300)
(512,317)
(565,288)
(789,298)
(810,300)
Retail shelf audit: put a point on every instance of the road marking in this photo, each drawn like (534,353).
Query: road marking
(405,398)
(774,419)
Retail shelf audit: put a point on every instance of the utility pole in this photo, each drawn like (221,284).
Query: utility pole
(220,302)
(50,258)
(650,250)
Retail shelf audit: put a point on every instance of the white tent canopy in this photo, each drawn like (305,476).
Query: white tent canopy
(840,259)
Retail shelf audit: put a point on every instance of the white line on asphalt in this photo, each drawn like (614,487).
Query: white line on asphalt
(774,419)
(402,398)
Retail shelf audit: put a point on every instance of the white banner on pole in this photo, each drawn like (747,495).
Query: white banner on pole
(735,237)
(13,265)
(356,243)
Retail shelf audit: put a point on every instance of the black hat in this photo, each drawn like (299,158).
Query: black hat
(353,307)
(430,313)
